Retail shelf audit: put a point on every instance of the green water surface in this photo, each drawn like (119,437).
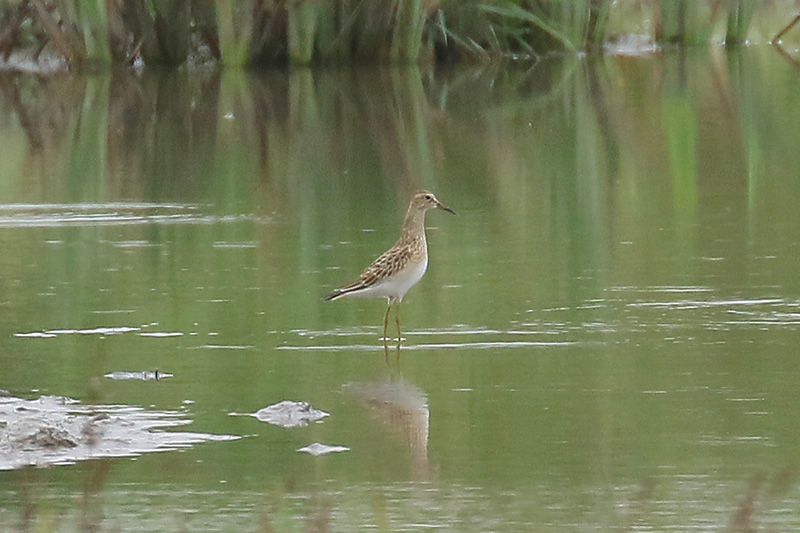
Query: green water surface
(606,339)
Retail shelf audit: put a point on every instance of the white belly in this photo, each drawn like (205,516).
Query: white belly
(398,285)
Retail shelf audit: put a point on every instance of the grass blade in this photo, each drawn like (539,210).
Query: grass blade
(514,11)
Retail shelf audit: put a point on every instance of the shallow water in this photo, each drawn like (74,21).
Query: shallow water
(606,337)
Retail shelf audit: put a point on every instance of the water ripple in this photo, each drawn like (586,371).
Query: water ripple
(109,214)
(47,334)
(661,312)
(427,346)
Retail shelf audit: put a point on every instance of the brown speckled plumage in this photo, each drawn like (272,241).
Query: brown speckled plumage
(399,268)
(387,265)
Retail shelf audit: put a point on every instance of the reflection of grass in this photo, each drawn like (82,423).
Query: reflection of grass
(759,495)
(303,504)
(680,132)
(683,22)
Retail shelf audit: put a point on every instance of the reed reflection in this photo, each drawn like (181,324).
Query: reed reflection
(203,135)
(162,133)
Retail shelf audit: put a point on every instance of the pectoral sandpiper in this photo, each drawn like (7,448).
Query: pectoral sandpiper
(399,268)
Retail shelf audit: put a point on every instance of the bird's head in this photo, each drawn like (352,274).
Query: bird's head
(425,200)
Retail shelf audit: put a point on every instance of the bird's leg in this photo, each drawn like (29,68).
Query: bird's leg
(397,321)
(386,355)
(386,322)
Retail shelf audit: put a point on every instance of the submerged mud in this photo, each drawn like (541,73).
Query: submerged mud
(55,430)
(290,414)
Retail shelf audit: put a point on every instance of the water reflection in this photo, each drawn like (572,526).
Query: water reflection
(608,336)
(402,408)
(249,141)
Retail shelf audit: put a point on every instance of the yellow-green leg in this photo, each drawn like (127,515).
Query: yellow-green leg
(397,321)
(386,322)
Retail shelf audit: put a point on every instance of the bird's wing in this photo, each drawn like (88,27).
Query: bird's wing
(389,263)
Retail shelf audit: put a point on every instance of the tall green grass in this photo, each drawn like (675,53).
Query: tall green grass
(740,15)
(482,28)
(302,32)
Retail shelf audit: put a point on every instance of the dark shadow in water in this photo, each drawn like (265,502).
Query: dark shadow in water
(162,133)
(45,107)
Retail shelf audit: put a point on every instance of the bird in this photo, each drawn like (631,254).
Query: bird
(400,267)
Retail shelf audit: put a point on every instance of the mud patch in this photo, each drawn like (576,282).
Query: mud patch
(55,430)
(318,449)
(141,376)
(290,414)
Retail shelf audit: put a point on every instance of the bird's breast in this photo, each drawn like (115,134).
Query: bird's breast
(411,276)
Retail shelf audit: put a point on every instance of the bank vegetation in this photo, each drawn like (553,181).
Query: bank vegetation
(74,34)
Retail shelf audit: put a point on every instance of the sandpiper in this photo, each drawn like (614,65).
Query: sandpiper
(400,267)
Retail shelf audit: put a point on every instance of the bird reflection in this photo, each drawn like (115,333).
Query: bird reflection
(403,408)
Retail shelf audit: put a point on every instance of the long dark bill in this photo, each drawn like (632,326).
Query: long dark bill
(445,208)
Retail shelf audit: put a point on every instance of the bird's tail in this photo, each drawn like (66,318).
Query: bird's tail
(347,289)
(332,296)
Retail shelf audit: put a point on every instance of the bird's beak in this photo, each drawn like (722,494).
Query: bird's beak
(443,207)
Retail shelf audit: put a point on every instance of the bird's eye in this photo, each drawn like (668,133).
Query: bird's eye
(428,197)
